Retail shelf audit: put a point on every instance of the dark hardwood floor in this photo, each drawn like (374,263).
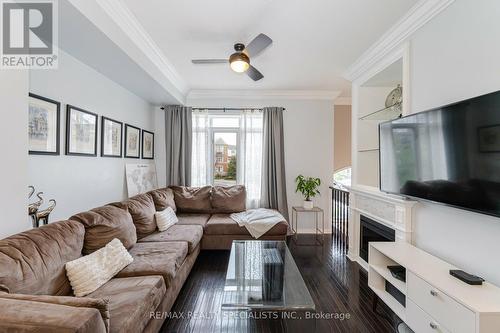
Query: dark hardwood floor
(336,284)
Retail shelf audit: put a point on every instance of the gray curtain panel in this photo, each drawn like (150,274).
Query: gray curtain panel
(178,140)
(273,191)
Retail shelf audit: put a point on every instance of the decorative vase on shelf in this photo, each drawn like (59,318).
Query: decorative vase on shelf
(308,204)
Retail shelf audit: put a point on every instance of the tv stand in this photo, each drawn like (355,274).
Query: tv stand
(434,301)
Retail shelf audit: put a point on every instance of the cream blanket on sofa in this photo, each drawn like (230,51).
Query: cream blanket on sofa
(258,221)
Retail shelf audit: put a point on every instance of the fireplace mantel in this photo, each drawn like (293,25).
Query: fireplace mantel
(392,211)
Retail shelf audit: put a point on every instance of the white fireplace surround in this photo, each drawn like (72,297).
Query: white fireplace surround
(392,211)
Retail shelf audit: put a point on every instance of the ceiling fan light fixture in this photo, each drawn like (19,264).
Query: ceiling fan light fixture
(239,62)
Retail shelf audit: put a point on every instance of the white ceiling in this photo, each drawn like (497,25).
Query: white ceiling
(314,40)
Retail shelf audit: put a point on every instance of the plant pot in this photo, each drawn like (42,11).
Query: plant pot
(308,204)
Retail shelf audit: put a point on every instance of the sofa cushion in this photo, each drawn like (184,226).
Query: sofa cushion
(190,219)
(32,262)
(79,302)
(163,198)
(88,273)
(192,199)
(222,224)
(103,224)
(142,209)
(131,301)
(20,316)
(188,233)
(156,259)
(228,199)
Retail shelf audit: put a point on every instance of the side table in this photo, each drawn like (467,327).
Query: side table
(317,213)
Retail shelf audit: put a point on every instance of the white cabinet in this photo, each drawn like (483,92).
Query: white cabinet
(435,301)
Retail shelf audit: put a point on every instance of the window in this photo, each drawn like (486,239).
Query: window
(343,176)
(225,165)
(227,150)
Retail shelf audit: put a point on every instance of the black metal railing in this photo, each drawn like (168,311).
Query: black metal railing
(340,216)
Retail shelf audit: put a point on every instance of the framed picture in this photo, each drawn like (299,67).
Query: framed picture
(111,137)
(489,139)
(43,125)
(81,132)
(132,141)
(148,145)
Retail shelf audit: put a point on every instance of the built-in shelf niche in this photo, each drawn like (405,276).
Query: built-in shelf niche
(371,111)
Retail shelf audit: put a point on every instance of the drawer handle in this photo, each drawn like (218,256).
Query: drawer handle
(434,326)
(434,293)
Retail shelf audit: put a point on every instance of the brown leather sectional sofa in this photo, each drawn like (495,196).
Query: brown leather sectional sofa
(36,296)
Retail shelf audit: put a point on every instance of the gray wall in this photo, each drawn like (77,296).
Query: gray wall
(80,183)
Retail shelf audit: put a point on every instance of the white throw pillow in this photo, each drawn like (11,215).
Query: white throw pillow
(88,273)
(165,219)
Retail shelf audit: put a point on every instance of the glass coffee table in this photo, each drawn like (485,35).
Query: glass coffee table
(264,287)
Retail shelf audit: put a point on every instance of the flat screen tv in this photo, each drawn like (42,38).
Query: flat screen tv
(448,155)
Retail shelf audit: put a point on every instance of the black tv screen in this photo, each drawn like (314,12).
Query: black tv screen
(449,155)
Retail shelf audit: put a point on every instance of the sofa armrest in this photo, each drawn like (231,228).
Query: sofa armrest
(31,316)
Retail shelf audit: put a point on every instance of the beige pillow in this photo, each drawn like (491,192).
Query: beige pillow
(88,273)
(165,219)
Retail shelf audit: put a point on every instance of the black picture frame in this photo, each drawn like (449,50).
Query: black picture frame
(125,141)
(58,126)
(103,126)
(488,147)
(152,146)
(69,108)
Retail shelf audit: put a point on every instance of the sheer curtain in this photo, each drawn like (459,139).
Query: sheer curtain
(201,152)
(250,155)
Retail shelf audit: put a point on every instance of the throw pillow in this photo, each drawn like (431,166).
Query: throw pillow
(88,273)
(192,199)
(165,219)
(163,198)
(103,224)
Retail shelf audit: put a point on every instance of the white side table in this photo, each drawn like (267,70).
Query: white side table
(317,213)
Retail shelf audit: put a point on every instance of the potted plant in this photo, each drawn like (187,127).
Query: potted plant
(308,186)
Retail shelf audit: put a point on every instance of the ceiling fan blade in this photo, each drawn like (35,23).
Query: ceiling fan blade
(257,45)
(254,73)
(209,61)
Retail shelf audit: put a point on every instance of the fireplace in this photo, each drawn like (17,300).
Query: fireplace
(372,231)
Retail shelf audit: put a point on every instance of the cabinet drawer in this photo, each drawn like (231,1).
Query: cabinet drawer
(452,315)
(421,322)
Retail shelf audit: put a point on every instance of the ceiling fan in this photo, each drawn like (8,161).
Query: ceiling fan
(240,60)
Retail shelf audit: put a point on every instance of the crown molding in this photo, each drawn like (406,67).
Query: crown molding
(343,101)
(263,94)
(414,19)
(124,18)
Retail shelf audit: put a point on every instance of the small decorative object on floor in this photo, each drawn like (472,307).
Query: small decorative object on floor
(308,186)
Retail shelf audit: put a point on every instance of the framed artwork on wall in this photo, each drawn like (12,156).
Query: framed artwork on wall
(81,132)
(43,125)
(489,139)
(148,145)
(132,141)
(111,137)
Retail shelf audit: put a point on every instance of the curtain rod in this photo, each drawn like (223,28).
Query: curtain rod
(226,109)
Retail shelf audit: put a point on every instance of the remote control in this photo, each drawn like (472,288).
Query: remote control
(466,277)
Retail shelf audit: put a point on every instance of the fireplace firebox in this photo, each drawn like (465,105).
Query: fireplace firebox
(372,231)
